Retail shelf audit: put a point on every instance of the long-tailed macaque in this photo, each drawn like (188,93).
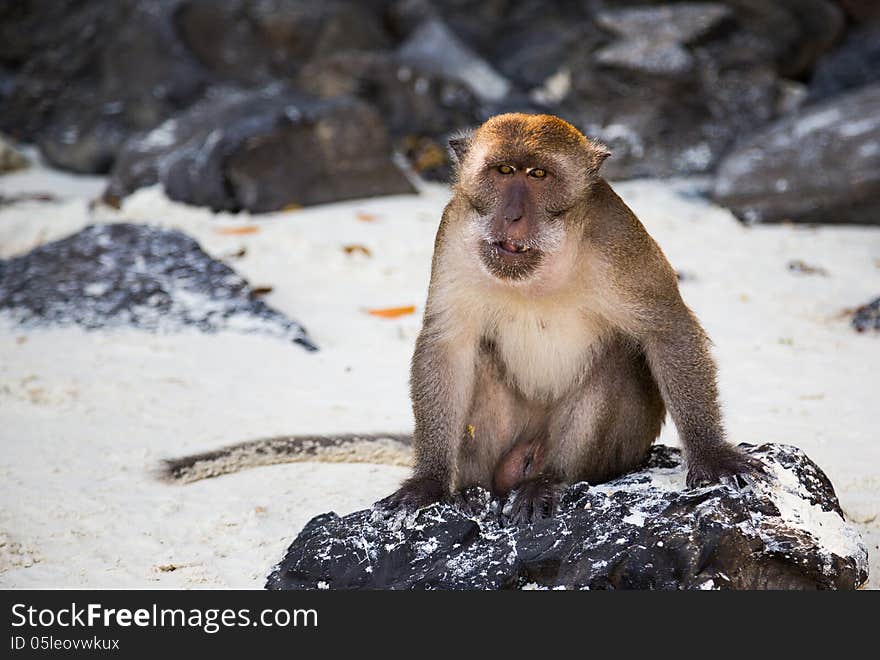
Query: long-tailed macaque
(554,336)
(554,339)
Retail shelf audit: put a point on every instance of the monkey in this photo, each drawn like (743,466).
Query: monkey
(554,339)
(553,330)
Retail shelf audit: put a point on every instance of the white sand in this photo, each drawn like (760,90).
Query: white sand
(84,417)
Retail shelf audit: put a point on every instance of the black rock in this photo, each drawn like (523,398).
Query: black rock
(421,109)
(93,73)
(821,164)
(270,40)
(856,62)
(89,75)
(652,40)
(133,275)
(867,317)
(435,48)
(791,33)
(861,11)
(665,92)
(644,530)
(535,46)
(412,102)
(262,151)
(478,24)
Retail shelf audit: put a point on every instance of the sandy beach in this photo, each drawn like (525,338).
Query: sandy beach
(85,417)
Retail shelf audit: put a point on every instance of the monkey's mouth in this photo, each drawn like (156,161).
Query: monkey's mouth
(511,247)
(510,260)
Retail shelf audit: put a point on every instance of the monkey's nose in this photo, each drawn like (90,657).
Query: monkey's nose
(511,219)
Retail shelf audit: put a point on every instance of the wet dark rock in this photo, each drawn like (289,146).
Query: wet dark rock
(665,93)
(433,47)
(861,11)
(531,52)
(792,34)
(475,22)
(526,41)
(420,109)
(94,73)
(645,530)
(819,165)
(676,85)
(670,86)
(855,63)
(684,23)
(648,56)
(867,317)
(51,46)
(272,39)
(411,101)
(669,125)
(653,39)
(262,151)
(224,39)
(83,144)
(140,276)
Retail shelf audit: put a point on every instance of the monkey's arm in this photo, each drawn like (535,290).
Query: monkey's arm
(675,345)
(677,350)
(441,387)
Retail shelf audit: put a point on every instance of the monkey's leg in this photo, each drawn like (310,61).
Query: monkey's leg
(442,380)
(498,419)
(678,354)
(598,432)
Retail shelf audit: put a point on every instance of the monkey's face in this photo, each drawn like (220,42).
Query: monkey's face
(522,174)
(517,227)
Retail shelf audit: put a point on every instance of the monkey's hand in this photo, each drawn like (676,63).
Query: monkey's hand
(415,493)
(722,462)
(533,500)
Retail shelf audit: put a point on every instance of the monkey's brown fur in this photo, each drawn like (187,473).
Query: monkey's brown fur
(553,329)
(554,338)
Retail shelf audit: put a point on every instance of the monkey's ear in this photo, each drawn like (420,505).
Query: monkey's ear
(460,143)
(596,155)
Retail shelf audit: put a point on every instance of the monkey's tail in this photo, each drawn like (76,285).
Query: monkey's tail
(382,448)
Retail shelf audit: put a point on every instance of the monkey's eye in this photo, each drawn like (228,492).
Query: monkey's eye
(505,169)
(537,172)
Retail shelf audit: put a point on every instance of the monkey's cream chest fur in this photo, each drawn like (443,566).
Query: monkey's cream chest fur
(545,348)
(542,330)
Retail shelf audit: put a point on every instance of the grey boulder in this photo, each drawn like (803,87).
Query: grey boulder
(139,276)
(644,530)
(820,165)
(262,151)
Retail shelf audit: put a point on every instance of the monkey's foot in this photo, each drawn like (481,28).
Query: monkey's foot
(415,493)
(474,502)
(534,500)
(724,463)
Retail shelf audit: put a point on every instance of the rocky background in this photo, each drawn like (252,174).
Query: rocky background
(269,104)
